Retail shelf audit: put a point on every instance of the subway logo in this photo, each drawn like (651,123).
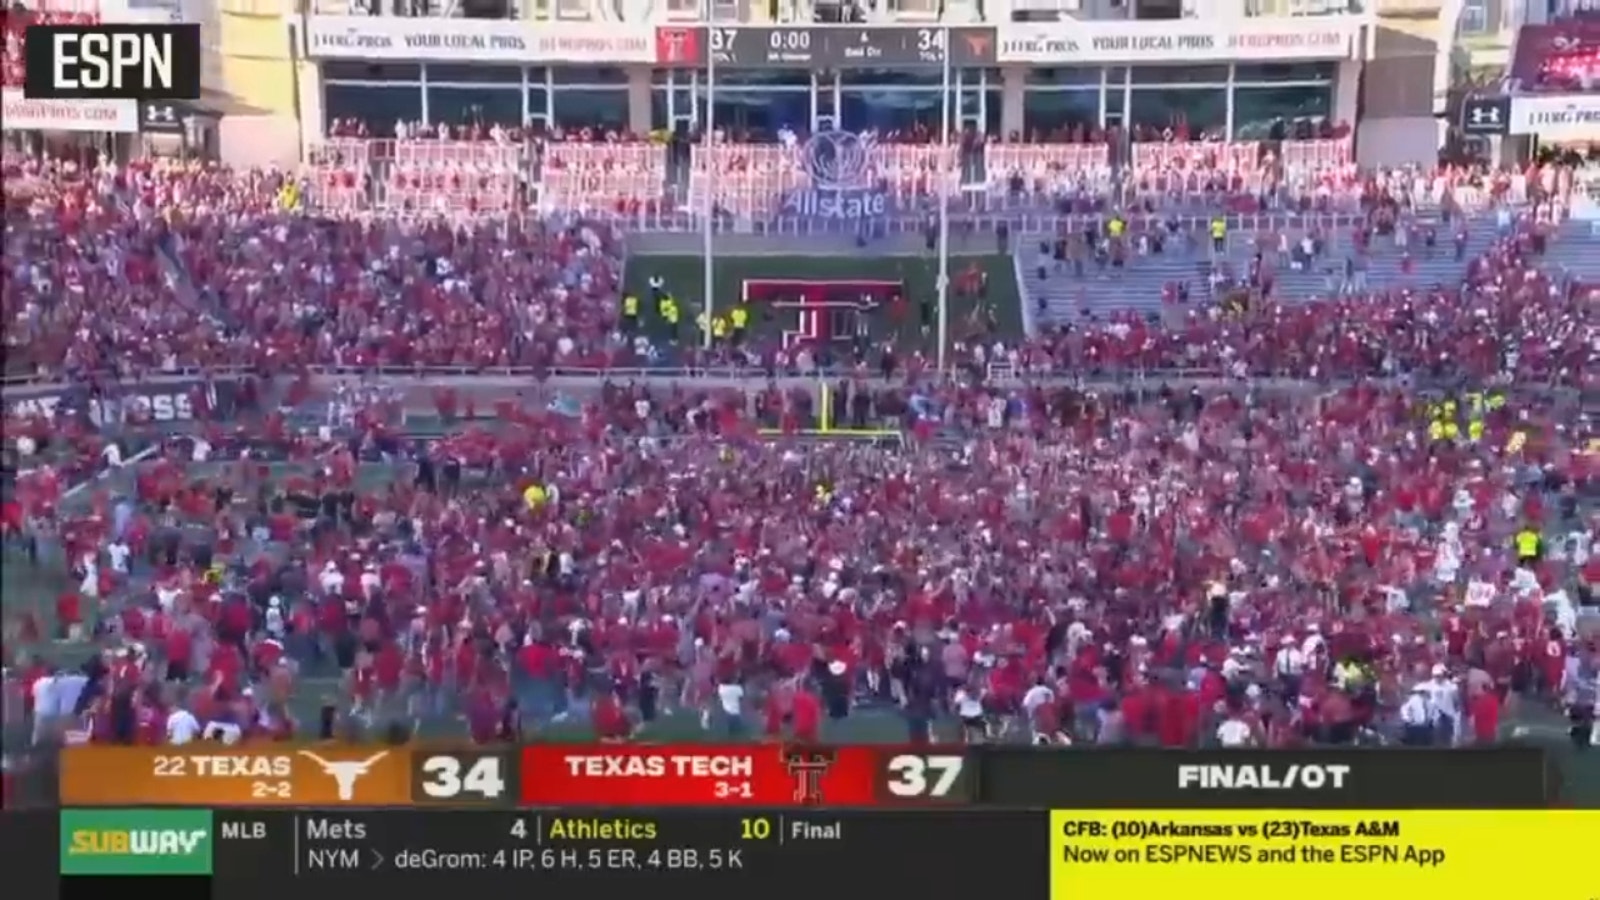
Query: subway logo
(135,842)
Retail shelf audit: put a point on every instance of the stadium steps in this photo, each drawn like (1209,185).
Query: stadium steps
(1139,287)
(1573,249)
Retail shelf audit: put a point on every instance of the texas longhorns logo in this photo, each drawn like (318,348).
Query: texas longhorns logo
(346,773)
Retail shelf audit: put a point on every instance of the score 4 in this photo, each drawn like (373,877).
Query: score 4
(926,778)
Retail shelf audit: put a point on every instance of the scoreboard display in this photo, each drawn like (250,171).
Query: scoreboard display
(324,821)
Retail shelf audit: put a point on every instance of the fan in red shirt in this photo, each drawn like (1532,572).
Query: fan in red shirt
(805,715)
(611,722)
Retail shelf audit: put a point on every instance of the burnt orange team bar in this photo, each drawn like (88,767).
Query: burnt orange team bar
(268,775)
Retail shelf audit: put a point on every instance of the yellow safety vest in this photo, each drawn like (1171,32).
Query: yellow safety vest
(630,306)
(740,318)
(1115,228)
(670,312)
(1527,543)
(719,327)
(1219,229)
(1436,431)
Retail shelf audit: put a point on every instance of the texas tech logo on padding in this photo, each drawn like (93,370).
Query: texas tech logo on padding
(823,310)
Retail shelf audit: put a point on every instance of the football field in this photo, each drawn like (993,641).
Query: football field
(997,314)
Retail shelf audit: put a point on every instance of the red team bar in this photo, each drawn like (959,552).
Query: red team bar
(699,775)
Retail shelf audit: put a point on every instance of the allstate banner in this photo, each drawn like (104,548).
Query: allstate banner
(1186,41)
(479,40)
(1559,117)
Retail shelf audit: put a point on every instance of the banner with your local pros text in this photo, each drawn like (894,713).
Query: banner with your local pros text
(1562,118)
(479,40)
(1178,42)
(21,114)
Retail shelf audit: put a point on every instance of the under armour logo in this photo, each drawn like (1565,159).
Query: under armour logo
(162,113)
(1486,115)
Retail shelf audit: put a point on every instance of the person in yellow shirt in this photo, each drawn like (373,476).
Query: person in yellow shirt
(533,495)
(1219,234)
(739,317)
(670,314)
(630,314)
(719,328)
(1527,543)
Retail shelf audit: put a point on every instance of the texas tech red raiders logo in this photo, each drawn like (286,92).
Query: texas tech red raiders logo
(678,47)
(823,310)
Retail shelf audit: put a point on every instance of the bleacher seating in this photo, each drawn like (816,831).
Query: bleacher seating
(1558,57)
(751,179)
(610,177)
(452,177)
(341,170)
(14,21)
(1192,174)
(1055,170)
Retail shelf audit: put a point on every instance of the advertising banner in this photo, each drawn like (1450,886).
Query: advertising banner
(161,403)
(1487,116)
(479,40)
(1177,42)
(1560,117)
(22,114)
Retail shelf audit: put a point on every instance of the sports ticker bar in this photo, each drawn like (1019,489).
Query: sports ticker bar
(284,775)
(775,776)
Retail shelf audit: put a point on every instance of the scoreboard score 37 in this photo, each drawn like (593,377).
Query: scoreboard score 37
(323,820)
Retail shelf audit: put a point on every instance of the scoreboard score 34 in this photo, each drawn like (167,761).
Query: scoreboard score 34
(242,822)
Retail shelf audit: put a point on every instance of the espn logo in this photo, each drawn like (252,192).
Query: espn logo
(112,62)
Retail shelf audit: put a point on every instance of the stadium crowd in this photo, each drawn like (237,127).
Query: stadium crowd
(1235,561)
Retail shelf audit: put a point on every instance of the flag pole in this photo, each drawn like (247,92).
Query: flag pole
(708,223)
(944,207)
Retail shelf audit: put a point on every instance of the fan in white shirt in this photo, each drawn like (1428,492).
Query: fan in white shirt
(182,727)
(120,555)
(1290,662)
(1235,733)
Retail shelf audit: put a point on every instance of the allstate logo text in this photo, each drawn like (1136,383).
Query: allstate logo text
(843,178)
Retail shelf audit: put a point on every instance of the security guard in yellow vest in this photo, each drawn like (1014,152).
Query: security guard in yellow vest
(670,315)
(1527,541)
(1475,430)
(1219,234)
(630,313)
(1115,227)
(739,317)
(719,328)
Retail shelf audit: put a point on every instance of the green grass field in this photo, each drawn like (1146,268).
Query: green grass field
(684,276)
